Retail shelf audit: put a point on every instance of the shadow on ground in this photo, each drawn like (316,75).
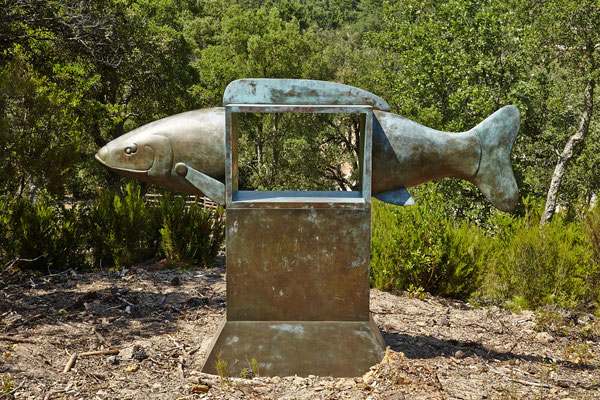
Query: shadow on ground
(425,346)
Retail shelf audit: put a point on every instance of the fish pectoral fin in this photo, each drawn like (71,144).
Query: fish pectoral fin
(210,187)
(398,197)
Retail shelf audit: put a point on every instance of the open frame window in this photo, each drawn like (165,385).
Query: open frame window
(297,199)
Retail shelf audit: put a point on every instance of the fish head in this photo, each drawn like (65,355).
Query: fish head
(151,152)
(142,154)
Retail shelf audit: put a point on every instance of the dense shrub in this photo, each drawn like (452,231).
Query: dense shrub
(190,234)
(41,234)
(125,229)
(534,266)
(513,261)
(590,223)
(420,246)
(122,230)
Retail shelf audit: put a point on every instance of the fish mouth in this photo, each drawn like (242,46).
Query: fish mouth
(134,172)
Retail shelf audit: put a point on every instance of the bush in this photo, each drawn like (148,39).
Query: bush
(190,234)
(123,230)
(419,246)
(536,266)
(42,231)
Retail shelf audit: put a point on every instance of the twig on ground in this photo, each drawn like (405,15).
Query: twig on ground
(521,381)
(7,338)
(51,275)
(118,296)
(180,366)
(542,385)
(99,353)
(70,363)
(504,327)
(101,338)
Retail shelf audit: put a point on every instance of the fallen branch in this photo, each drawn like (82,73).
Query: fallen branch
(99,353)
(521,381)
(70,363)
(10,264)
(51,275)
(15,339)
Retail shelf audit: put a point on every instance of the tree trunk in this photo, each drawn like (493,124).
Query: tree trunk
(567,153)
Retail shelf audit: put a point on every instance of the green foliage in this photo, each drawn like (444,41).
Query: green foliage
(41,234)
(298,152)
(39,131)
(74,75)
(420,247)
(125,229)
(514,262)
(533,267)
(190,234)
(6,384)
(590,222)
(122,230)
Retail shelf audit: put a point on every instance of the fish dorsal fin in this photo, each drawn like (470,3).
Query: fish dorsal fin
(399,197)
(298,91)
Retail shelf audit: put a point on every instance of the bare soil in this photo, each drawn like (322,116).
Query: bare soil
(160,324)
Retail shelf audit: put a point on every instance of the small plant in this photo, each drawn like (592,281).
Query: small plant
(11,352)
(591,330)
(516,304)
(255,367)
(422,247)
(222,368)
(548,321)
(416,292)
(43,232)
(580,354)
(248,373)
(6,384)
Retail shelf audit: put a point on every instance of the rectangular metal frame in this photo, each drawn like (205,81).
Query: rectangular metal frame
(292,199)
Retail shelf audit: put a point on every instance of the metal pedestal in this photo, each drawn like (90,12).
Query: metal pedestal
(298,270)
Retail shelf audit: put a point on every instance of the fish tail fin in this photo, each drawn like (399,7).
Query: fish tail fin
(495,177)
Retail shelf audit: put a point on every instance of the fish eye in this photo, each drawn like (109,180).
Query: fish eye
(131,149)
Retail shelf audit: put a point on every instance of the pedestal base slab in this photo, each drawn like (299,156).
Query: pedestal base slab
(325,348)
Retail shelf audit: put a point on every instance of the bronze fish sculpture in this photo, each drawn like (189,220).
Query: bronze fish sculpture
(186,152)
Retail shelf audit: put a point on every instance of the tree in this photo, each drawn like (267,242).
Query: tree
(568,34)
(77,74)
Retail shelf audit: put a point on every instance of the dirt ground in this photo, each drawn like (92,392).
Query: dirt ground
(153,328)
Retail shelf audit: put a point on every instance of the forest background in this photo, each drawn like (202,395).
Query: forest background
(77,74)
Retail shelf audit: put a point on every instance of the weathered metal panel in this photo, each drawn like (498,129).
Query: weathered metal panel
(298,91)
(299,108)
(298,264)
(325,348)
